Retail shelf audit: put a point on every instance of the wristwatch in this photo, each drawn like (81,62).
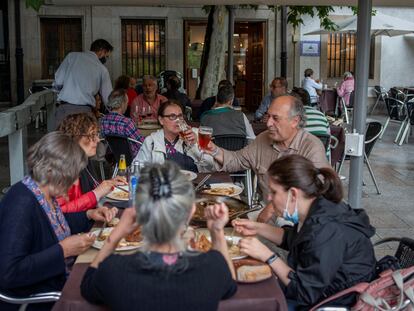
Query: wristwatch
(272,258)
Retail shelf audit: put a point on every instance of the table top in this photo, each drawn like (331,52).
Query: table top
(265,295)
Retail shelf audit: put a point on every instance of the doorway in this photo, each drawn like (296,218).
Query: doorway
(5,85)
(249,56)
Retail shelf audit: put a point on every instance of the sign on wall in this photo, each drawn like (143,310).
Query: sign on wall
(310,48)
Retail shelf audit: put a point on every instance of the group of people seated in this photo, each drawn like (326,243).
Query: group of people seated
(45,218)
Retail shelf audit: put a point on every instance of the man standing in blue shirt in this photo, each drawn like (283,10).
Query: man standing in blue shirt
(80,77)
(278,87)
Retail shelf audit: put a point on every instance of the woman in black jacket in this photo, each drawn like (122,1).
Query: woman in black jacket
(329,245)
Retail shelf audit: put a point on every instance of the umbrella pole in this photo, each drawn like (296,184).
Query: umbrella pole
(360,102)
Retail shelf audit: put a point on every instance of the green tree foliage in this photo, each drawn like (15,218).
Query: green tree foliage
(35,4)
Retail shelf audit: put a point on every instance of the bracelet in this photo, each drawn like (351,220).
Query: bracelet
(272,258)
(215,152)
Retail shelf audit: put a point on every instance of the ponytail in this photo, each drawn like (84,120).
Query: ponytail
(299,172)
(331,186)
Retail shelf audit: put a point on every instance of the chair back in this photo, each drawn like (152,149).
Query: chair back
(396,108)
(325,139)
(120,145)
(372,133)
(230,142)
(396,93)
(410,111)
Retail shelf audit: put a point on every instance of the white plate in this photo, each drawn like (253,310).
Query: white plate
(227,233)
(236,189)
(99,244)
(119,195)
(149,126)
(189,174)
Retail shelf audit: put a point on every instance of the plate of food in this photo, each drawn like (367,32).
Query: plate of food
(119,195)
(235,206)
(130,242)
(226,189)
(250,270)
(189,174)
(202,243)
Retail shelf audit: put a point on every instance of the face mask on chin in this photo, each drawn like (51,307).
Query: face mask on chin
(103,59)
(294,218)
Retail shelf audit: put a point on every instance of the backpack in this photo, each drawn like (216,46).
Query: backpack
(392,291)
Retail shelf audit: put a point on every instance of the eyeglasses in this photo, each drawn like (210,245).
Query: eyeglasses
(173,116)
(92,136)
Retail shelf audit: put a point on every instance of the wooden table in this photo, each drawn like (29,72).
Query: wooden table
(266,295)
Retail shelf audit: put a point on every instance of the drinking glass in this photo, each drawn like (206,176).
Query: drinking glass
(183,127)
(204,137)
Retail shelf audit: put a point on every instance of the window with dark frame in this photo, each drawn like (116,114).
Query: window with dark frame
(59,37)
(143,47)
(342,54)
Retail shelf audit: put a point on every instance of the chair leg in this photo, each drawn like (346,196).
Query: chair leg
(385,127)
(345,111)
(400,130)
(375,105)
(404,134)
(341,163)
(371,172)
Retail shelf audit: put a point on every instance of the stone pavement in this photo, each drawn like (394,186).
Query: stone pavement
(392,212)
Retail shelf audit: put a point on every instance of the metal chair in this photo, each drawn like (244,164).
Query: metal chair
(32,299)
(409,120)
(405,250)
(120,145)
(234,143)
(381,93)
(329,142)
(347,109)
(397,113)
(372,134)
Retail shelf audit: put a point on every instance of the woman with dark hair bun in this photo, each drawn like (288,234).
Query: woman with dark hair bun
(329,243)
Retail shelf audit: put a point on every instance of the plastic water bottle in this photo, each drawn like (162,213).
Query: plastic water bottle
(134,174)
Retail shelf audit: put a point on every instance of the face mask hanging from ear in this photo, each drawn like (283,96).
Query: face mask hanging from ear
(103,59)
(294,218)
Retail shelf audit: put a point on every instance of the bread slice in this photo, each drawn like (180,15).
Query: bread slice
(255,273)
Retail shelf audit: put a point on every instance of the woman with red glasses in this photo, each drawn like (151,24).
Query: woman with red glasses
(176,141)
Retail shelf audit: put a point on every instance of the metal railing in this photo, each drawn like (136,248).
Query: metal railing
(14,122)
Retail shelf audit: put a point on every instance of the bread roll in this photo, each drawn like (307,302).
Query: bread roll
(247,273)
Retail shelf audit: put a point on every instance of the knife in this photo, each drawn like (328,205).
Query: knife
(102,230)
(122,189)
(202,182)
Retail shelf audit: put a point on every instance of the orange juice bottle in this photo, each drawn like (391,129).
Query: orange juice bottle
(122,167)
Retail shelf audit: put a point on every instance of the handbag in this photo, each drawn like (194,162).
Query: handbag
(392,291)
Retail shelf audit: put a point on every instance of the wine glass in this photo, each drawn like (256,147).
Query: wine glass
(205,134)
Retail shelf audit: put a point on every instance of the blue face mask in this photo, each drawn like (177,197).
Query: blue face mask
(294,218)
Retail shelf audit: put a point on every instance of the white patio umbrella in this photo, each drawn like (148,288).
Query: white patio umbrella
(381,25)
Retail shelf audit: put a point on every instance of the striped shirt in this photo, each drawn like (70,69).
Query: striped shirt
(316,122)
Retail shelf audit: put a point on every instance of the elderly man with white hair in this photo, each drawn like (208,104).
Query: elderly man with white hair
(285,135)
(115,123)
(146,104)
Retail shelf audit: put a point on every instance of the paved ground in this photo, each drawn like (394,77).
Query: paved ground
(391,212)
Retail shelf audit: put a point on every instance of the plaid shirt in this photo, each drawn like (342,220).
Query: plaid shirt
(116,124)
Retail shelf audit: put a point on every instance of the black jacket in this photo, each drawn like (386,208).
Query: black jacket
(331,252)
